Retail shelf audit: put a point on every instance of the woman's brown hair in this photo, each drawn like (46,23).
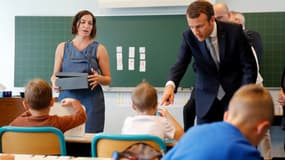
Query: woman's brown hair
(77,18)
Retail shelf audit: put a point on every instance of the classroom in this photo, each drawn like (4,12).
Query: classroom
(116,12)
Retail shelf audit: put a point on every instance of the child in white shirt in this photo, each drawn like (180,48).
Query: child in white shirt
(150,119)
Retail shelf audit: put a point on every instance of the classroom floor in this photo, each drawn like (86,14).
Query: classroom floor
(277,140)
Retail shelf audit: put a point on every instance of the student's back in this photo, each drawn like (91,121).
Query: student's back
(218,141)
(37,102)
(249,117)
(149,124)
(144,102)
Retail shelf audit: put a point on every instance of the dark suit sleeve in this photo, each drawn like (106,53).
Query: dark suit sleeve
(283,80)
(255,40)
(249,67)
(178,70)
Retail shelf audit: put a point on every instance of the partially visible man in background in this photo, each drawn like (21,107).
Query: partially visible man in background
(222,12)
(254,39)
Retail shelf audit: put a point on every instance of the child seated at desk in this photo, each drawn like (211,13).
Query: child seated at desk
(150,119)
(38,101)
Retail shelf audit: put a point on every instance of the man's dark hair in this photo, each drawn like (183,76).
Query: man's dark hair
(201,6)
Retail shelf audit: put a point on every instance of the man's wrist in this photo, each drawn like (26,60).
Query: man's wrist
(170,83)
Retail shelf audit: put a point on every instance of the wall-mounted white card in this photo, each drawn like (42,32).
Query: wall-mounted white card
(119,49)
(142,66)
(142,49)
(142,56)
(131,64)
(119,61)
(131,52)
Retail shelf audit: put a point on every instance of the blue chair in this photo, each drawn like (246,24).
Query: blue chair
(103,145)
(32,140)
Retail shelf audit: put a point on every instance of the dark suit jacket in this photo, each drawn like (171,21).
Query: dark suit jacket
(237,65)
(254,39)
(283,80)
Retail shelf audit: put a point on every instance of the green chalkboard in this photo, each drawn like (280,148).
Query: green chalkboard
(36,39)
(271,28)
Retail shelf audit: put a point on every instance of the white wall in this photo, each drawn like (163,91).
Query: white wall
(255,5)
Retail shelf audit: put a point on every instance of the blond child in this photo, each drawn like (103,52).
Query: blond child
(149,119)
(248,118)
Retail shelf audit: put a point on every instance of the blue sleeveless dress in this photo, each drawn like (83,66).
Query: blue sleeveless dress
(93,100)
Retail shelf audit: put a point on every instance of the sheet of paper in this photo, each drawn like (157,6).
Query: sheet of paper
(131,64)
(142,49)
(142,66)
(119,49)
(131,52)
(142,56)
(119,61)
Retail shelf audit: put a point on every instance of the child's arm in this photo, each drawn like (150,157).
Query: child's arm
(281,98)
(178,129)
(67,102)
(77,106)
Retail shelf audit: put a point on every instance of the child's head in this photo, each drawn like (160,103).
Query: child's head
(38,94)
(251,109)
(144,97)
(251,103)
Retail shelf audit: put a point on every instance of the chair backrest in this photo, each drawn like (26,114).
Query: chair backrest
(32,140)
(103,145)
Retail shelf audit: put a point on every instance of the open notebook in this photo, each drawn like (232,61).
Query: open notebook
(57,109)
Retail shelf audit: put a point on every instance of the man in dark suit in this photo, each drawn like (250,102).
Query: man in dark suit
(189,112)
(222,65)
(222,13)
(254,39)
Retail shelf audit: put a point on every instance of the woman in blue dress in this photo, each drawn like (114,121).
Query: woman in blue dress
(281,99)
(85,55)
